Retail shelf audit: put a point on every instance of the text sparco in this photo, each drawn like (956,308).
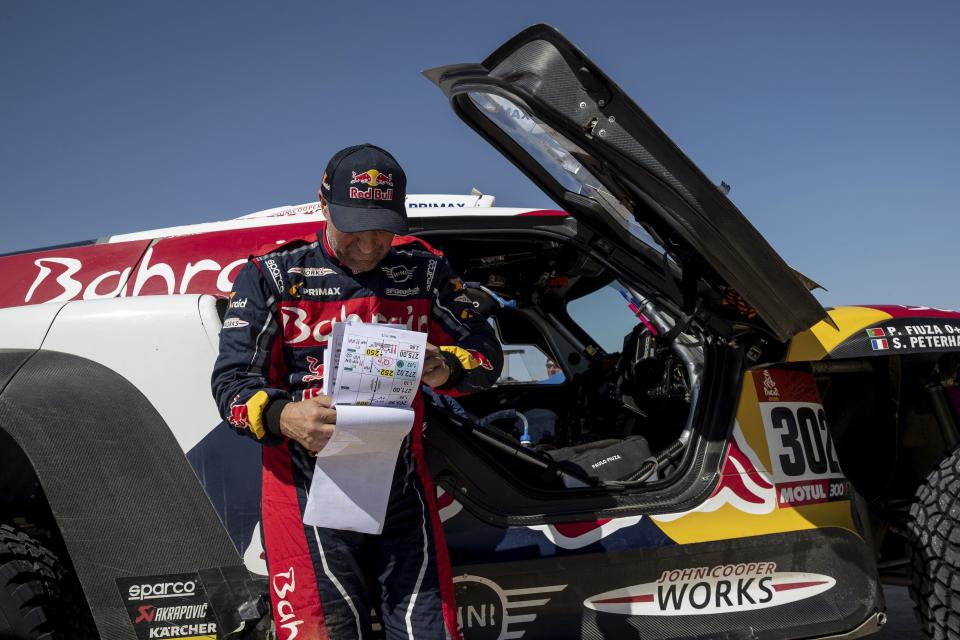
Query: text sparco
(162,590)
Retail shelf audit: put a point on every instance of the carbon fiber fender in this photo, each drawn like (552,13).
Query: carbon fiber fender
(125,499)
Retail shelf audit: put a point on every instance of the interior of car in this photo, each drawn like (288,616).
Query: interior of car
(617,413)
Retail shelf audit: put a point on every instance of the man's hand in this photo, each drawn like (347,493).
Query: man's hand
(310,422)
(435,368)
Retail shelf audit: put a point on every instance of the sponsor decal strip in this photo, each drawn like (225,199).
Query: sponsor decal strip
(712,590)
(190,617)
(903,334)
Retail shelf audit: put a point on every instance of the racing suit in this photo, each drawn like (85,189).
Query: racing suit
(323,582)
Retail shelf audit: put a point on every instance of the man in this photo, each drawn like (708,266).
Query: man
(554,374)
(267,380)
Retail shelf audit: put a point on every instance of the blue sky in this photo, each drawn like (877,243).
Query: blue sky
(837,124)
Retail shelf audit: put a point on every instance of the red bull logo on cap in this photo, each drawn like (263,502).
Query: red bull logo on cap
(372,177)
(381,185)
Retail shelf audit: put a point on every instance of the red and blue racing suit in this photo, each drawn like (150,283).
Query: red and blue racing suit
(284,304)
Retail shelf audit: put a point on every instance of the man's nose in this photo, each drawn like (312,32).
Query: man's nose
(367,243)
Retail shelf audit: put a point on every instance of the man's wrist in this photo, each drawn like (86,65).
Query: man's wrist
(456,370)
(271,417)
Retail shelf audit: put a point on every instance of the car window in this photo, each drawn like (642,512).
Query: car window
(526,364)
(605,316)
(559,156)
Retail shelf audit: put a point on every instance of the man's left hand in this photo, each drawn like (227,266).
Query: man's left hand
(435,369)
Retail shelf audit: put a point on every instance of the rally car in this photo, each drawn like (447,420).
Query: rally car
(709,454)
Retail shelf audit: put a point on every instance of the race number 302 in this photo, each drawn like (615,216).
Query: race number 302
(805,465)
(803,461)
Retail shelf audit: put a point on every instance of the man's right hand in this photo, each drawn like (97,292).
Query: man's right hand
(310,422)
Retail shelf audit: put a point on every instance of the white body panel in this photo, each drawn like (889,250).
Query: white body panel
(25,327)
(164,345)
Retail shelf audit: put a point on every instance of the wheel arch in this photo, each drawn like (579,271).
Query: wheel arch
(114,481)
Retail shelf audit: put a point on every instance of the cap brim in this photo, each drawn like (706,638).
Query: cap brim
(355,219)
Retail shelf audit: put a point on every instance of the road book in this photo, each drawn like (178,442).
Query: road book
(372,373)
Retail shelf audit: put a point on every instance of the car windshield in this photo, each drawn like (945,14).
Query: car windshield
(558,156)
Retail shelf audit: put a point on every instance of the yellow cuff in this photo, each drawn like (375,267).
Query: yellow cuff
(256,405)
(465,357)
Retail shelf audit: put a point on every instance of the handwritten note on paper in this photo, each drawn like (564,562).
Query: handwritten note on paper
(375,380)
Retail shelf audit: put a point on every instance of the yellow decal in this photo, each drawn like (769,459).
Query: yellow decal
(465,357)
(820,339)
(746,503)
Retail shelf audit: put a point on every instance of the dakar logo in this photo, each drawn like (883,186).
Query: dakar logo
(400,273)
(769,385)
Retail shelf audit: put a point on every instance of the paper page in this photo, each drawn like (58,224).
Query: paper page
(331,357)
(354,472)
(379,365)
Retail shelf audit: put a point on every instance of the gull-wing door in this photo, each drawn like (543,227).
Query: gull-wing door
(560,119)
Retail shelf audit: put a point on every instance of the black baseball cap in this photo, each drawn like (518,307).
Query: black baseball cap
(365,189)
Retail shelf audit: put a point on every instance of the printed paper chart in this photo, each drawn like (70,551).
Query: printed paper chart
(378,366)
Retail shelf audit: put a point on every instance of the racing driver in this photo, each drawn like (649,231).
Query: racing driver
(267,379)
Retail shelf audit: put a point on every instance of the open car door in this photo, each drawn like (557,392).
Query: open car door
(574,132)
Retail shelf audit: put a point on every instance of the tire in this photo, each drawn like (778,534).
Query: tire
(934,539)
(38,601)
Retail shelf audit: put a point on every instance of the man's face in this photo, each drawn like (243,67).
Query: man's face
(361,251)
(552,367)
